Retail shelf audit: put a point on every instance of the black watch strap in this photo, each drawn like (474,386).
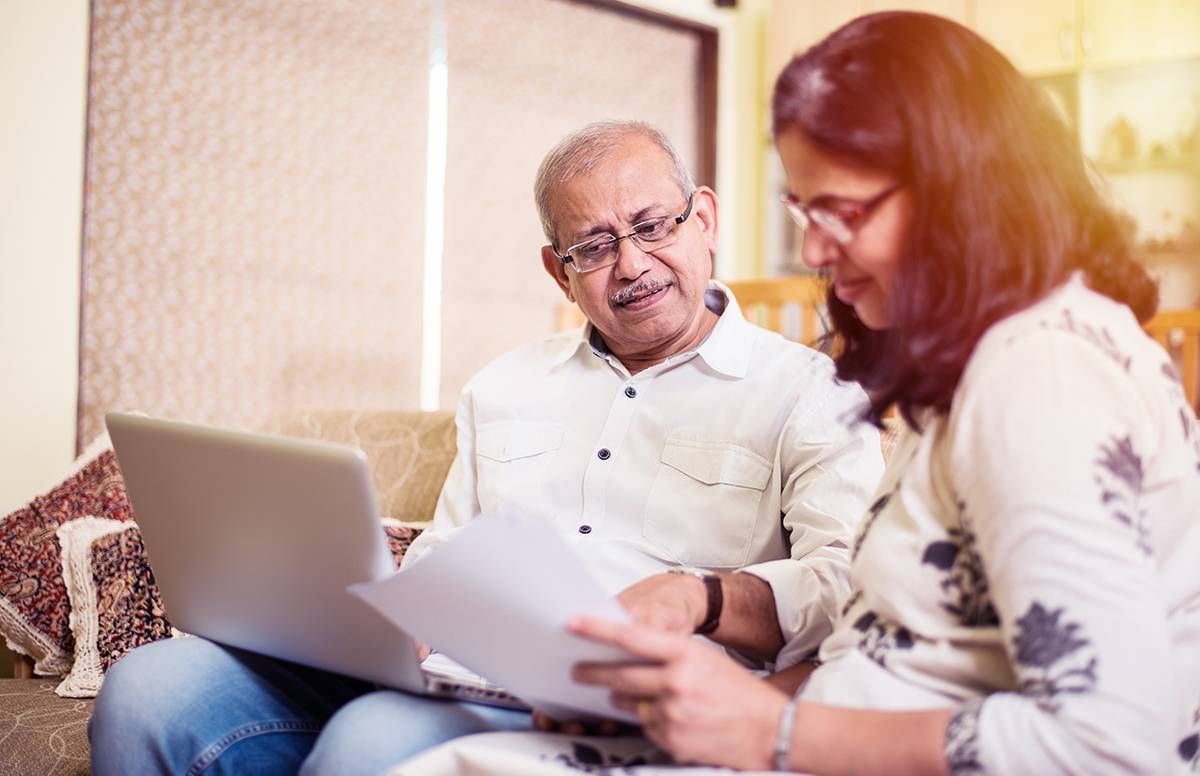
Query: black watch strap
(714,596)
(716,600)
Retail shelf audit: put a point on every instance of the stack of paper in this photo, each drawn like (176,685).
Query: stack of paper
(496,598)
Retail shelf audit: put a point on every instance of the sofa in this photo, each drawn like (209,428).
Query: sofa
(409,454)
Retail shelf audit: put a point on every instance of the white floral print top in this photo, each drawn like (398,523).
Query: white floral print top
(1033,559)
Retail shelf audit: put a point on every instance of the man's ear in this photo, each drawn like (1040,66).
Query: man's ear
(557,270)
(704,209)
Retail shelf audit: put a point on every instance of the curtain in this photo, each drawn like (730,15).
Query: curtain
(255,196)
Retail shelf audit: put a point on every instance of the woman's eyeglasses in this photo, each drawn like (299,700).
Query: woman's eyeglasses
(840,222)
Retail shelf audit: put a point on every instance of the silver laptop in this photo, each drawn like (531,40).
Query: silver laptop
(253,539)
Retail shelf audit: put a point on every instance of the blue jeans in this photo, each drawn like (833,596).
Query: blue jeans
(189,706)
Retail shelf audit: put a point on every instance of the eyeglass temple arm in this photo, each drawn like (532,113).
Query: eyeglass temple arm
(679,219)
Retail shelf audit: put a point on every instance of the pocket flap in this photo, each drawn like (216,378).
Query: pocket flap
(508,440)
(717,463)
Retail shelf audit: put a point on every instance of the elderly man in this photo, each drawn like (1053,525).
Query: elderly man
(668,435)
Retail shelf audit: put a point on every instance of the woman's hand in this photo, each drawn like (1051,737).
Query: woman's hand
(573,727)
(693,701)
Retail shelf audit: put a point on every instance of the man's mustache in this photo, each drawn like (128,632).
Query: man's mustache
(640,288)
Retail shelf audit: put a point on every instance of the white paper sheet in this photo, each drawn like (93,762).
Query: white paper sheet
(496,598)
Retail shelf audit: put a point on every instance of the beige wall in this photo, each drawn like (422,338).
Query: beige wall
(43,86)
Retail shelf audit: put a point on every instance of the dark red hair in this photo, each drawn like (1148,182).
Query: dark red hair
(1004,205)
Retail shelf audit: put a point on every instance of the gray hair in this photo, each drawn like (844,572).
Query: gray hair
(581,152)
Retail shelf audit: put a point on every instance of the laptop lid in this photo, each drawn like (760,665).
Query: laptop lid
(253,539)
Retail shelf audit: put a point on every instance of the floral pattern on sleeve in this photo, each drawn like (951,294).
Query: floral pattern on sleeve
(1119,476)
(1096,335)
(880,637)
(962,739)
(850,602)
(1188,751)
(1187,417)
(1054,656)
(1189,747)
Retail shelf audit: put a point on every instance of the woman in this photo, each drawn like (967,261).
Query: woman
(1026,584)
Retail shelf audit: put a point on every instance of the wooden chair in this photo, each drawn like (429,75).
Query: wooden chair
(1178,331)
(789,305)
(568,316)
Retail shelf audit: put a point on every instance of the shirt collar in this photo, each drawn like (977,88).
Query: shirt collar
(725,349)
(571,342)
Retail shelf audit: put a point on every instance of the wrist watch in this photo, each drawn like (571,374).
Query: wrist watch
(716,596)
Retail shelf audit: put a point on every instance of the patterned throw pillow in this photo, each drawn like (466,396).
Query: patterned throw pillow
(34,606)
(115,603)
(399,537)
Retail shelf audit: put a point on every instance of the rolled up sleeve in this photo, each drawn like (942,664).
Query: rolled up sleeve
(831,465)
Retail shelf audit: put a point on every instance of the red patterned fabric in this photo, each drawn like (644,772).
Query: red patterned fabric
(399,538)
(129,609)
(34,605)
(34,608)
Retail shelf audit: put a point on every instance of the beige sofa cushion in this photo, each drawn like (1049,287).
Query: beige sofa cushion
(42,733)
(409,452)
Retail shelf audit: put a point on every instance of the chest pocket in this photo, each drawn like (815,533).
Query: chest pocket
(703,505)
(512,459)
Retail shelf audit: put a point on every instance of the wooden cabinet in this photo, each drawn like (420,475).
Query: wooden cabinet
(797,24)
(1126,74)
(1052,36)
(1039,36)
(794,25)
(958,10)
(1120,32)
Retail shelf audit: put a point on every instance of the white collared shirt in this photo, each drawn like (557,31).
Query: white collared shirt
(738,454)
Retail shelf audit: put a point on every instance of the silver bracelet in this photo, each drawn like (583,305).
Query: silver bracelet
(783,740)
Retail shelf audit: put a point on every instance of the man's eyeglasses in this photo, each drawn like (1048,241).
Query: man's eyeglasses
(840,222)
(650,235)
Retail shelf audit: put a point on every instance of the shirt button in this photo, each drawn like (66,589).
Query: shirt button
(604,454)
(630,391)
(585,529)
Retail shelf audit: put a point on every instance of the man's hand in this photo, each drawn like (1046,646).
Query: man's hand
(675,603)
(422,649)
